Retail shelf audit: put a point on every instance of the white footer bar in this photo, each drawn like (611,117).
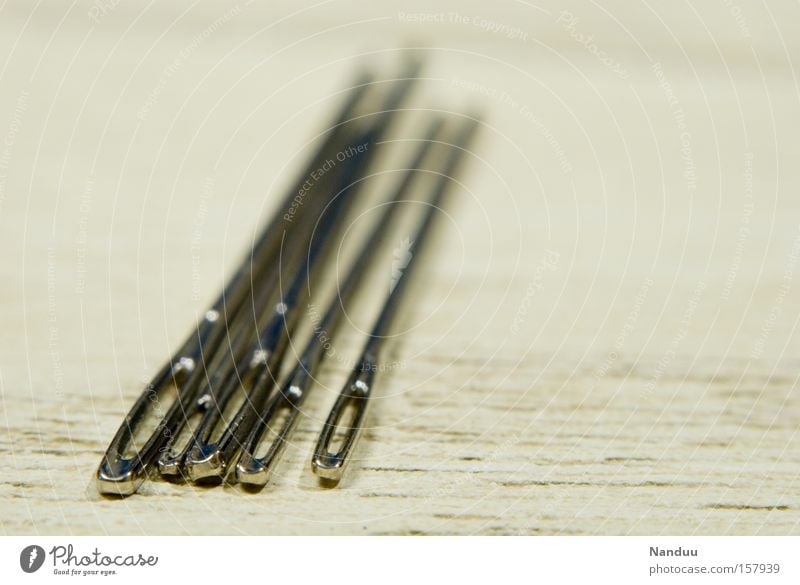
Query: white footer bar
(353,560)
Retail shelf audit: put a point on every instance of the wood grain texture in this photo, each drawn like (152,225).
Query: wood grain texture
(605,341)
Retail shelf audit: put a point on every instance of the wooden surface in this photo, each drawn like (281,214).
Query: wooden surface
(606,340)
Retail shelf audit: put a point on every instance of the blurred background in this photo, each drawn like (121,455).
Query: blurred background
(606,341)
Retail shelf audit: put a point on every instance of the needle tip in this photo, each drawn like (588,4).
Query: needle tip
(118,484)
(328,466)
(205,468)
(170,468)
(252,474)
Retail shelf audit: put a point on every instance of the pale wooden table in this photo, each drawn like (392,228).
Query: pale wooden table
(607,343)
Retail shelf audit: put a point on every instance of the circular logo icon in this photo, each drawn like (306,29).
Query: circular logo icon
(31,558)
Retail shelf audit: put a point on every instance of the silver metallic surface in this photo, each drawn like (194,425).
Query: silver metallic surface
(255,471)
(330,465)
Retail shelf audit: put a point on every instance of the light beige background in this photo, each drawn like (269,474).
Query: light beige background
(606,343)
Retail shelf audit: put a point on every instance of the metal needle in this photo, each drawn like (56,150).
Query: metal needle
(211,460)
(255,471)
(207,460)
(355,395)
(124,465)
